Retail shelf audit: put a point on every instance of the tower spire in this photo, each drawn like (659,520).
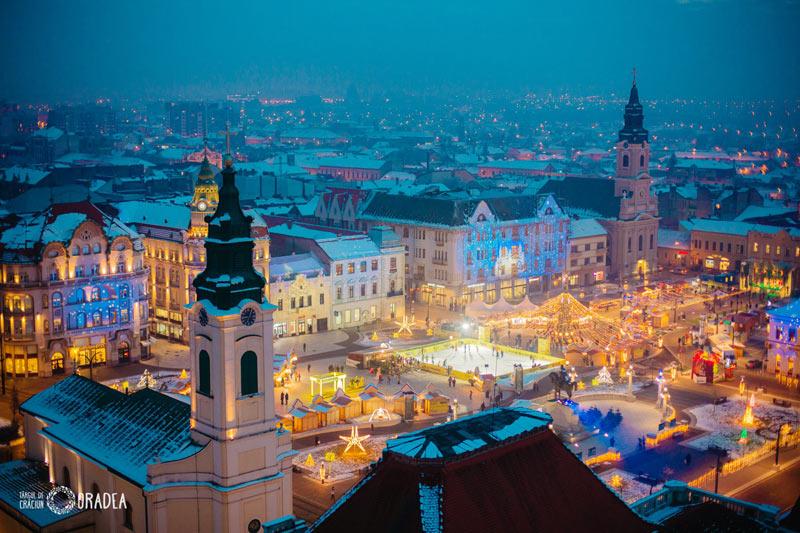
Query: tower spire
(634,76)
(229,277)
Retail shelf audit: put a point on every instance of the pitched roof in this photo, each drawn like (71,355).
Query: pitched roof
(448,209)
(500,470)
(121,432)
(592,194)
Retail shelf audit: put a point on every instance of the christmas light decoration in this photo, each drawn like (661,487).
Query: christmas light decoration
(354,440)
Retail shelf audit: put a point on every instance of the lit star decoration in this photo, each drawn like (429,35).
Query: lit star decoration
(405,326)
(354,440)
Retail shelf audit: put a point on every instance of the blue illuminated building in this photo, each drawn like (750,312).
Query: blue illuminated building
(464,247)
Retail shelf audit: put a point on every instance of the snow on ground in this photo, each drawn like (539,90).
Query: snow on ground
(343,466)
(629,488)
(724,425)
(471,356)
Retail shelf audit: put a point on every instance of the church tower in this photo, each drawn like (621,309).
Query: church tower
(633,150)
(204,199)
(232,398)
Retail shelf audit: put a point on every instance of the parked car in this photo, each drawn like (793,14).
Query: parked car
(754,364)
(720,400)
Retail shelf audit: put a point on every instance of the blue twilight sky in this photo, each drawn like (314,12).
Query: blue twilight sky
(83,49)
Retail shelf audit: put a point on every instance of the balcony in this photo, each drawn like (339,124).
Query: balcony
(398,292)
(440,243)
(71,282)
(441,262)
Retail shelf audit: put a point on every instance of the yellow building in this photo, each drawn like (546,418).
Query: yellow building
(174,237)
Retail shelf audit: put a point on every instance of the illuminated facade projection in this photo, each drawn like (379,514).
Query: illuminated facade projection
(74,291)
(462,248)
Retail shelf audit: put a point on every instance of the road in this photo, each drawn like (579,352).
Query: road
(781,489)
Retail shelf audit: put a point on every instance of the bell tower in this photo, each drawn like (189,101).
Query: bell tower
(633,150)
(204,199)
(232,398)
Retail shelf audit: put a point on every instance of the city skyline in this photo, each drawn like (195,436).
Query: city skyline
(91,50)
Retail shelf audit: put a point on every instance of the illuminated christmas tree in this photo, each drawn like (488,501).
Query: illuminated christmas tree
(604,377)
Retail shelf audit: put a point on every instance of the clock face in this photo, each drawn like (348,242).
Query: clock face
(202,206)
(203,317)
(248,316)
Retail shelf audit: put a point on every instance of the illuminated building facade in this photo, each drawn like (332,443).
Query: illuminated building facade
(586,259)
(174,237)
(463,248)
(766,258)
(329,281)
(217,463)
(74,291)
(782,343)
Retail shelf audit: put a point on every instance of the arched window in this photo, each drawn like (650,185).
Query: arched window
(641,160)
(625,160)
(56,299)
(127,515)
(204,373)
(65,477)
(248,368)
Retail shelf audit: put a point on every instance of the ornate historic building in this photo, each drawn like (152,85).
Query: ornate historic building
(218,463)
(74,291)
(174,236)
(463,248)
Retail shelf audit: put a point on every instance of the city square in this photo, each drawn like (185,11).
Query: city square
(359,268)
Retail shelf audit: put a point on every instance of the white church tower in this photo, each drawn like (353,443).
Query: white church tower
(242,475)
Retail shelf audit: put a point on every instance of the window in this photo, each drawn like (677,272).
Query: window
(56,299)
(351,268)
(651,241)
(363,266)
(755,247)
(374,288)
(321,298)
(625,160)
(374,265)
(641,160)
(308,301)
(339,269)
(351,291)
(204,373)
(338,293)
(363,290)
(280,304)
(293,304)
(629,244)
(248,368)
(641,242)
(393,264)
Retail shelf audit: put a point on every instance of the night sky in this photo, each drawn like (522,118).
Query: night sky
(71,50)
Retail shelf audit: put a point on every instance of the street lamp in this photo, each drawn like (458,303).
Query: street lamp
(720,453)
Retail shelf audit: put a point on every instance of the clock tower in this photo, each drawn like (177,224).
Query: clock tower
(204,200)
(232,397)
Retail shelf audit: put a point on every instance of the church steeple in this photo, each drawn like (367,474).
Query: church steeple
(229,276)
(633,129)
(204,199)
